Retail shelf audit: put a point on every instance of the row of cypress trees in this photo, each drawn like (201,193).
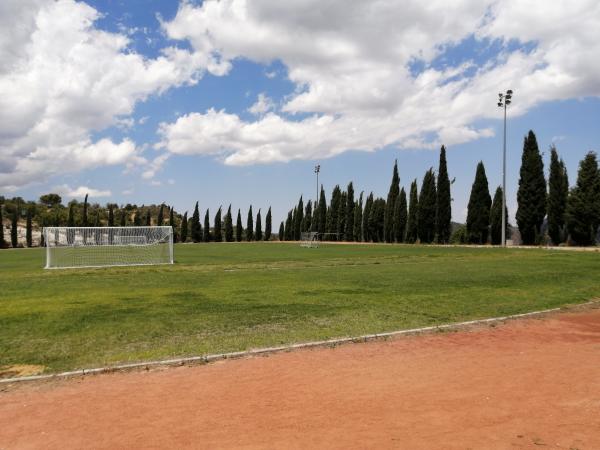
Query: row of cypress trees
(14,228)
(569,214)
(566,215)
(425,217)
(223,229)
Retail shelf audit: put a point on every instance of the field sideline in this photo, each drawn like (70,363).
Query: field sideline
(229,297)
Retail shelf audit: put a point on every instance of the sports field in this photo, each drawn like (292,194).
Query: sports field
(228,297)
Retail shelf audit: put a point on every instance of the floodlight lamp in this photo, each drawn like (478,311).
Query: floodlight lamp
(509,92)
(508,102)
(500,104)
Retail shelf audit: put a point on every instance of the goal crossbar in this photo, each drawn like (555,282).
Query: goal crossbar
(78,247)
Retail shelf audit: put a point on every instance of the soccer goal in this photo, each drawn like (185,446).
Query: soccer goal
(309,239)
(73,247)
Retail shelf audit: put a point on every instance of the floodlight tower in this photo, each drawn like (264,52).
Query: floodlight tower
(317,170)
(503,101)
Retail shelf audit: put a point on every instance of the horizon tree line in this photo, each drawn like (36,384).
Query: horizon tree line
(548,211)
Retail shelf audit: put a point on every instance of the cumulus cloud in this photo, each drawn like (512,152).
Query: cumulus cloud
(62,79)
(80,192)
(352,64)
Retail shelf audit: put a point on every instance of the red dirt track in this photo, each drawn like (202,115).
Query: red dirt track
(525,384)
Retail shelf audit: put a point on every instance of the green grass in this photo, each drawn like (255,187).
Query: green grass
(227,297)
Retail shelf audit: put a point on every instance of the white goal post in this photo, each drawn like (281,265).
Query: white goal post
(309,239)
(73,247)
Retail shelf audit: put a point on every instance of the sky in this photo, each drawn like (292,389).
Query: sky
(234,101)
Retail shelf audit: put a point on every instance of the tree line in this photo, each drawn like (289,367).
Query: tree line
(549,211)
(423,216)
(49,211)
(193,230)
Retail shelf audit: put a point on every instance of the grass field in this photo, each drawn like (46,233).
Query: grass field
(227,297)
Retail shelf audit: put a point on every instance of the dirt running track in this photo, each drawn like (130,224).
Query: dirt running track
(525,384)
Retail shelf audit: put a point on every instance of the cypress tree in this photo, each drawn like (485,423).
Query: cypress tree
(412,230)
(281,232)
(84,221)
(289,224)
(195,227)
(238,227)
(218,235)
(322,213)
(172,223)
(342,217)
(395,220)
(583,206)
(350,204)
(401,216)
(531,196)
(206,231)
(388,221)
(268,225)
(444,201)
(293,229)
(161,217)
(298,219)
(184,227)
(306,223)
(2,241)
(14,225)
(148,217)
(558,192)
(228,226)
(357,229)
(376,220)
(427,209)
(333,211)
(28,230)
(259,233)
(366,216)
(250,226)
(496,218)
(111,215)
(478,215)
(123,218)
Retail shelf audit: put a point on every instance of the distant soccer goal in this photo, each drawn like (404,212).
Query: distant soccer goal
(73,247)
(309,239)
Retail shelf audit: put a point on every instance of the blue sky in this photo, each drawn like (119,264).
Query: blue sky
(335,93)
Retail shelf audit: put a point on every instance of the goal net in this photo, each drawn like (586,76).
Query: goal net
(309,239)
(72,247)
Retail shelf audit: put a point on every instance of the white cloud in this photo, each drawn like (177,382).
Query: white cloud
(350,62)
(262,105)
(61,79)
(80,192)
(152,167)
